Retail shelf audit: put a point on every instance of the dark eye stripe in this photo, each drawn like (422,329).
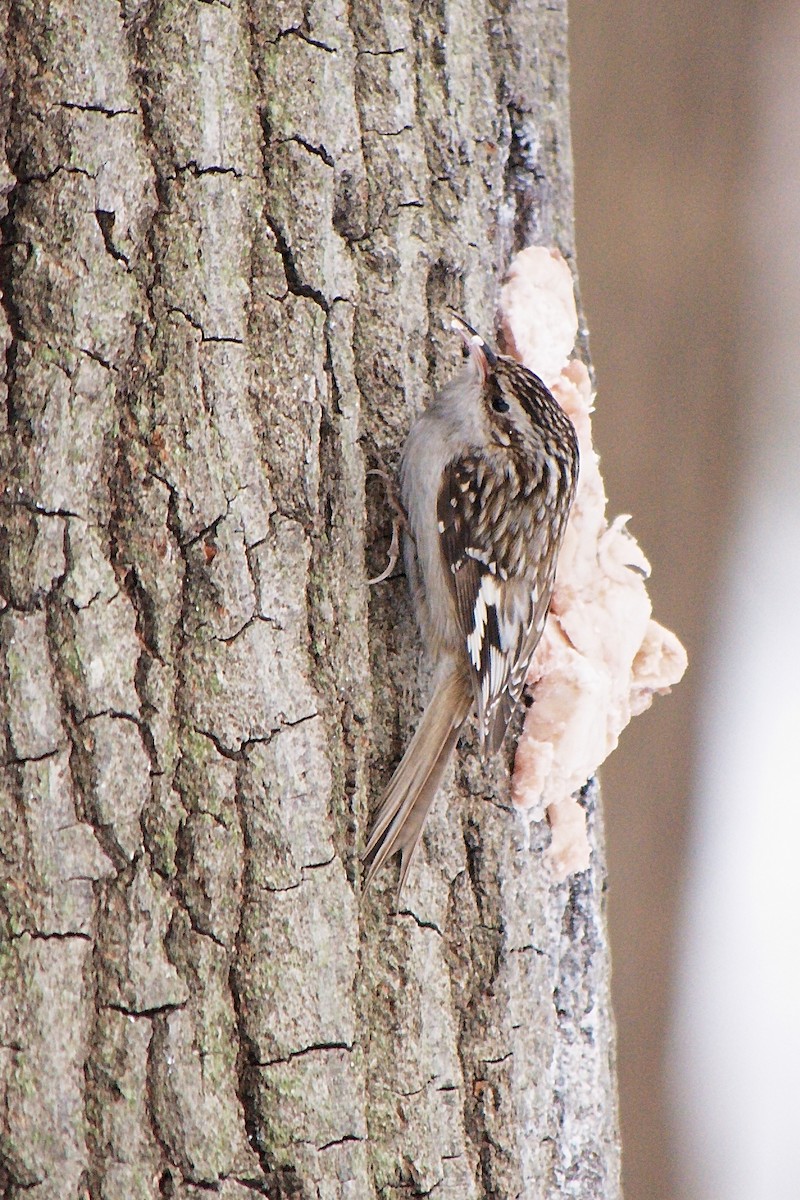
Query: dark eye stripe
(499,404)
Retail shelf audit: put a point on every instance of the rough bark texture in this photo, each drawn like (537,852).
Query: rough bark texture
(230,231)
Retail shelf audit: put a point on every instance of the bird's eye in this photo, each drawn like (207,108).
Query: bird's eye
(499,404)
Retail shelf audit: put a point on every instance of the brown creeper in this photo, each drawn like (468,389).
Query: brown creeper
(488,475)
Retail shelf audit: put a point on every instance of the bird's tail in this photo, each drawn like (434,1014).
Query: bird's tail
(409,796)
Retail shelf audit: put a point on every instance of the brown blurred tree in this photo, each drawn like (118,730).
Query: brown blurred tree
(229,234)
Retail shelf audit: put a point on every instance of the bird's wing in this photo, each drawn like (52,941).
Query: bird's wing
(498,566)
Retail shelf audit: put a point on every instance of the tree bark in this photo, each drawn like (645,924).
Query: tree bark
(230,233)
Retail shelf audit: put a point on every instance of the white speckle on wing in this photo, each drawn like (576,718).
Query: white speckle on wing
(475,639)
(497,672)
(480,556)
(487,597)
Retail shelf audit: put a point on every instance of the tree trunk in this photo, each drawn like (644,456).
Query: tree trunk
(230,235)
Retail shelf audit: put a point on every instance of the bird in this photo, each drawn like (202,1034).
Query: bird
(488,475)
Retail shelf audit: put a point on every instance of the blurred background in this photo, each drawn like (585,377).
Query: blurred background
(686,141)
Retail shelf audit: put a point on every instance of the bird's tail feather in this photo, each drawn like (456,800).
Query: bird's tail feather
(411,791)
